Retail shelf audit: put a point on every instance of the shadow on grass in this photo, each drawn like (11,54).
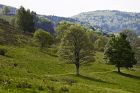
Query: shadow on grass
(48,52)
(8,56)
(93,79)
(128,75)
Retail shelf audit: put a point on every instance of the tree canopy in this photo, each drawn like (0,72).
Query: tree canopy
(5,10)
(25,20)
(75,46)
(43,38)
(119,52)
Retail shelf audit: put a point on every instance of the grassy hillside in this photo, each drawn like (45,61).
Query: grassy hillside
(27,70)
(5,17)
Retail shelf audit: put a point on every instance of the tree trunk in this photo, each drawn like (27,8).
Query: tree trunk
(77,69)
(42,45)
(118,66)
(118,69)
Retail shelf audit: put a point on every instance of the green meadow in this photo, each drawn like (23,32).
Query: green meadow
(28,70)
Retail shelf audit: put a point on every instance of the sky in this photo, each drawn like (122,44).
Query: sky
(68,8)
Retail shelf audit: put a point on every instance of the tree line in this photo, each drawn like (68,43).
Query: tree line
(78,44)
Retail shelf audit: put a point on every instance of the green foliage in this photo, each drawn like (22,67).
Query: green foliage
(25,20)
(12,21)
(5,10)
(7,33)
(100,43)
(65,89)
(137,52)
(62,28)
(93,36)
(98,40)
(6,17)
(40,69)
(43,38)
(25,69)
(75,46)
(41,88)
(119,52)
(42,22)
(51,88)
(133,38)
(3,51)
(24,85)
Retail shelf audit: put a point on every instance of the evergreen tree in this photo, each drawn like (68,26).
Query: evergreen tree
(118,52)
(25,20)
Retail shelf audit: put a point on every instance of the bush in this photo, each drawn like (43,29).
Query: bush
(69,81)
(52,52)
(50,88)
(23,40)
(3,52)
(24,85)
(65,89)
(43,38)
(15,64)
(41,88)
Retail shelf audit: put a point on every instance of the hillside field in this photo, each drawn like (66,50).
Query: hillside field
(28,70)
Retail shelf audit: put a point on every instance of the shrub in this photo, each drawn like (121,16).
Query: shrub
(69,81)
(65,89)
(41,88)
(43,38)
(52,52)
(15,64)
(3,52)
(50,88)
(24,85)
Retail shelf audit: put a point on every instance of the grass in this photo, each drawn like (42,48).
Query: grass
(28,70)
(5,17)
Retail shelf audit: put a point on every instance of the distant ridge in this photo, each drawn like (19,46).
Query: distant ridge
(12,9)
(109,21)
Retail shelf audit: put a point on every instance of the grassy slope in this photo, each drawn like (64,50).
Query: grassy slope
(46,72)
(5,17)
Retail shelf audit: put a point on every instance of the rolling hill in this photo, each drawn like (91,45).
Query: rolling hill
(105,20)
(25,68)
(111,21)
(28,70)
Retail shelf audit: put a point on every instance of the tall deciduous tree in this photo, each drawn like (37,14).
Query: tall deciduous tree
(61,29)
(75,46)
(119,52)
